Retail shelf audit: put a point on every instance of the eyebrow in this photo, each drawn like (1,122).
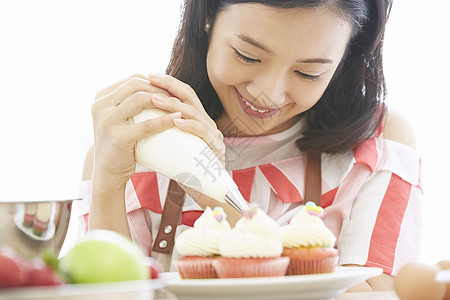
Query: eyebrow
(251,41)
(315,61)
(257,44)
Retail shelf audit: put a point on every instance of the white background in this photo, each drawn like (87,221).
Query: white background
(55,55)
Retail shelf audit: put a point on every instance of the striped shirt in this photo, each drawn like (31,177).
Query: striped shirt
(371,196)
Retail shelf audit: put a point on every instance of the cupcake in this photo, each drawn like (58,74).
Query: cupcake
(309,243)
(199,246)
(41,220)
(28,216)
(252,248)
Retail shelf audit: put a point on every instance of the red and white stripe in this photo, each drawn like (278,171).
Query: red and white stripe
(371,200)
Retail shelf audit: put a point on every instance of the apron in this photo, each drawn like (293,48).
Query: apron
(171,215)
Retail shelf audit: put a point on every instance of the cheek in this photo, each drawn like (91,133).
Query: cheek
(223,70)
(305,95)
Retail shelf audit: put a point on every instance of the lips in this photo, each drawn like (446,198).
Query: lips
(255,111)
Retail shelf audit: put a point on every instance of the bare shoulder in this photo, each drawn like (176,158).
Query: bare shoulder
(398,128)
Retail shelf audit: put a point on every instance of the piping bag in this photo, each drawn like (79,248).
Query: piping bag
(187,159)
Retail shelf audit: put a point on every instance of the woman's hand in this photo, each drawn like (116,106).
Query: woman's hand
(115,137)
(114,147)
(195,120)
(194,117)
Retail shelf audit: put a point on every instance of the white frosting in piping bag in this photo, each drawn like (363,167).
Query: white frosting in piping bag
(184,157)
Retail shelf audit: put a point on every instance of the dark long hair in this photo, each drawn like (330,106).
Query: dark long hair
(351,108)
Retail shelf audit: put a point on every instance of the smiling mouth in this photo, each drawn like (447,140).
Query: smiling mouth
(261,111)
(253,111)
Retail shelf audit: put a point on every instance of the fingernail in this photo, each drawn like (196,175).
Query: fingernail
(179,121)
(156,75)
(160,98)
(176,116)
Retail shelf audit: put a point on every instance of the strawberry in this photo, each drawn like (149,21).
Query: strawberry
(13,270)
(154,267)
(40,274)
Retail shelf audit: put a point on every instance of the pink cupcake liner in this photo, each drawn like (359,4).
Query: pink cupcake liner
(251,267)
(311,260)
(28,220)
(39,227)
(193,267)
(316,266)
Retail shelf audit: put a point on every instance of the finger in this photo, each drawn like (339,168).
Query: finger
(134,105)
(212,137)
(179,89)
(174,104)
(150,127)
(128,88)
(107,90)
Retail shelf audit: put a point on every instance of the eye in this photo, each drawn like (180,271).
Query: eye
(244,58)
(308,76)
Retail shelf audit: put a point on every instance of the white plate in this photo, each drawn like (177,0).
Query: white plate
(46,235)
(129,290)
(311,287)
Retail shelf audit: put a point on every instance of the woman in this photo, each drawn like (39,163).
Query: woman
(281,81)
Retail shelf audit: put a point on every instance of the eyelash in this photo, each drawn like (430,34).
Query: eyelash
(249,60)
(245,58)
(308,77)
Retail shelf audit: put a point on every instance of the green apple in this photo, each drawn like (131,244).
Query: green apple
(103,256)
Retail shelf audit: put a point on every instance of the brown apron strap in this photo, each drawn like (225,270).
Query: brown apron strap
(170,219)
(171,215)
(313,178)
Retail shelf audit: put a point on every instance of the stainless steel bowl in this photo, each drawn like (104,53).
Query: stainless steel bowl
(32,226)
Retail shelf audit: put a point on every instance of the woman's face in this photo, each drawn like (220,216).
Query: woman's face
(268,65)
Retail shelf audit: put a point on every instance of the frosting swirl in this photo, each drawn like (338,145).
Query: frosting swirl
(307,230)
(305,217)
(256,235)
(203,239)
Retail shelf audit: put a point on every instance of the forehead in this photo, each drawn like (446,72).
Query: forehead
(315,31)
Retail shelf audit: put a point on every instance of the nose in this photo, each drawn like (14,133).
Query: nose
(269,89)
